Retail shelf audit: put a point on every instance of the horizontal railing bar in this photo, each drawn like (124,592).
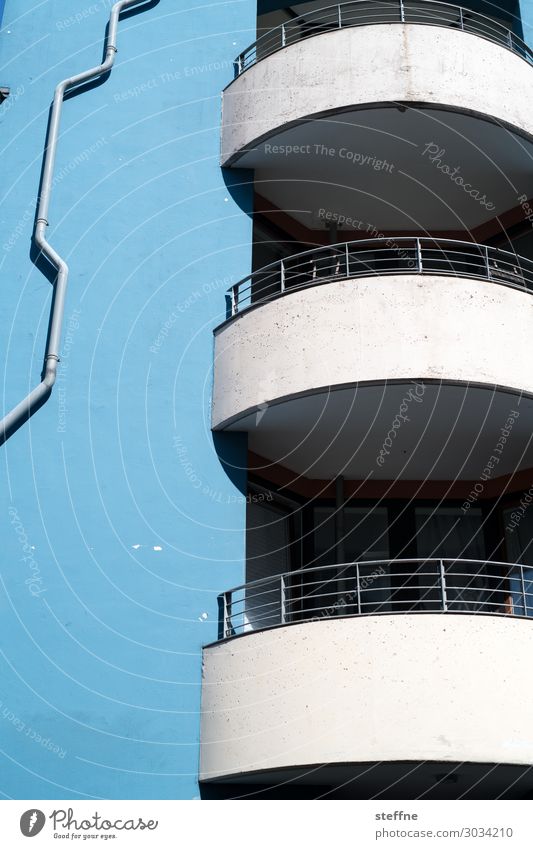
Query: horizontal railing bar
(350,590)
(346,15)
(392,596)
(431,605)
(353,581)
(261,617)
(382,257)
(365,275)
(249,605)
(365,564)
(303,620)
(272,589)
(394,591)
(341,247)
(348,595)
(468,589)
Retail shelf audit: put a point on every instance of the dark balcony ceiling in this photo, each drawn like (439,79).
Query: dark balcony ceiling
(384,780)
(415,193)
(451,434)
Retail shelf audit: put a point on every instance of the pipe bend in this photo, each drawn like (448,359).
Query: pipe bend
(21,412)
(50,372)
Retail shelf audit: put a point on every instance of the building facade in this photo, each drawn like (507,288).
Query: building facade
(270,533)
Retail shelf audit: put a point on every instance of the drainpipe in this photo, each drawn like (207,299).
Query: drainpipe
(19,414)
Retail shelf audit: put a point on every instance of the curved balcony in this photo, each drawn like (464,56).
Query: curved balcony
(374,588)
(323,350)
(378,258)
(381,59)
(359,702)
(365,13)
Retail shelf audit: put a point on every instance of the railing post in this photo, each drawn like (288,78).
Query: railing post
(487,265)
(282,276)
(283,35)
(419,256)
(233,300)
(402,12)
(283,611)
(510,39)
(340,15)
(461,17)
(239,64)
(225,616)
(523,583)
(357,578)
(347,260)
(444,597)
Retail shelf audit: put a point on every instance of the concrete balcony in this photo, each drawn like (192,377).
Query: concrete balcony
(363,700)
(317,367)
(360,55)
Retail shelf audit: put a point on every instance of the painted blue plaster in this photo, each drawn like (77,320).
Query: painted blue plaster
(105,659)
(526,9)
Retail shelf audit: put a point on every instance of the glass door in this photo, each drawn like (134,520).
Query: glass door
(519,547)
(362,536)
(447,532)
(268,555)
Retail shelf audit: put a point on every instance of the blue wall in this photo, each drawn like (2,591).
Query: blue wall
(119,524)
(526,8)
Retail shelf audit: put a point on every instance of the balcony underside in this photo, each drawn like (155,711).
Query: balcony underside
(389,166)
(398,780)
(352,693)
(450,435)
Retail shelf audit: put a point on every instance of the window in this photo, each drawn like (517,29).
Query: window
(269,540)
(364,534)
(358,534)
(449,533)
(519,545)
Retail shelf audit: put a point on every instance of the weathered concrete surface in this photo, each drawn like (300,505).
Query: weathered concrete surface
(384,688)
(403,327)
(370,65)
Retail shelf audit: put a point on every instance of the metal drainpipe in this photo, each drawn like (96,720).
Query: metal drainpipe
(19,414)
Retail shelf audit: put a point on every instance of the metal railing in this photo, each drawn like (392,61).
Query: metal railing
(431,585)
(367,12)
(379,257)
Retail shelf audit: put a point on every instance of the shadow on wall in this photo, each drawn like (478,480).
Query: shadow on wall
(230,449)
(240,186)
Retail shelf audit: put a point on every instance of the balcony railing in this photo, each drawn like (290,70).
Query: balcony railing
(367,12)
(379,257)
(431,585)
